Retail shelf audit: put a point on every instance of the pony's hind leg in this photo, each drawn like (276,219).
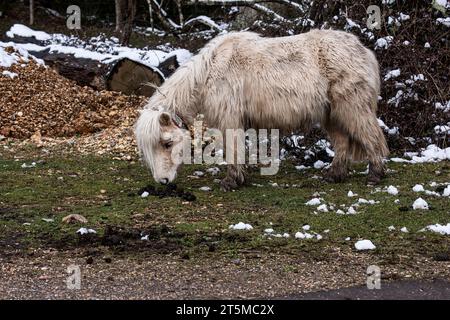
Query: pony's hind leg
(340,141)
(356,113)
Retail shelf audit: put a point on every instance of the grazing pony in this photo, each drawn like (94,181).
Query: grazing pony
(241,80)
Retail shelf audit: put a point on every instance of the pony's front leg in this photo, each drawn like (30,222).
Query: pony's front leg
(235,177)
(235,156)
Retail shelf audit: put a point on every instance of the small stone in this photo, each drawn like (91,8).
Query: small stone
(74,218)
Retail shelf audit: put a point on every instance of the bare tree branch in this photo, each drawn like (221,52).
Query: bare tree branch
(269,12)
(180,12)
(240,3)
(162,16)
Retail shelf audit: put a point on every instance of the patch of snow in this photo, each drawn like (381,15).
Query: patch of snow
(431,154)
(444,230)
(23,31)
(364,245)
(182,55)
(32,165)
(420,204)
(241,226)
(397,99)
(82,231)
(364,201)
(442,129)
(404,229)
(20,55)
(392,74)
(351,210)
(392,190)
(205,188)
(306,227)
(403,17)
(319,164)
(301,235)
(213,171)
(384,43)
(443,21)
(145,194)
(445,107)
(9,74)
(391,131)
(446,192)
(306,235)
(323,208)
(432,193)
(418,188)
(313,202)
(323,144)
(443,3)
(351,24)
(391,228)
(351,194)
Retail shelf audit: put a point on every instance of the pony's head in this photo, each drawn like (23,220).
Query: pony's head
(160,140)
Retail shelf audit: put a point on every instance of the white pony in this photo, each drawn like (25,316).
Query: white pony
(241,80)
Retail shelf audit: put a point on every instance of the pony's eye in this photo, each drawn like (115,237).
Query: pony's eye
(168,145)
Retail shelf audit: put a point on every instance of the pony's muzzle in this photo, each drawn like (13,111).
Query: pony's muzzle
(164,181)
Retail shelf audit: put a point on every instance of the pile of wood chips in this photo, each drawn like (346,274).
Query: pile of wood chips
(39,103)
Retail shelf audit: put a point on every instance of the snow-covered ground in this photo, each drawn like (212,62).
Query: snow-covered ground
(100,48)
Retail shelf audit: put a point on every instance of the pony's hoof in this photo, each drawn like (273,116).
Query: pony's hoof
(334,177)
(228,184)
(375,176)
(373,179)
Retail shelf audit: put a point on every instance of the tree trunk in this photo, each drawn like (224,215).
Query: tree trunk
(150,11)
(31,12)
(119,15)
(128,28)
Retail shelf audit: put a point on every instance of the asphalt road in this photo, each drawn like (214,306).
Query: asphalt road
(438,289)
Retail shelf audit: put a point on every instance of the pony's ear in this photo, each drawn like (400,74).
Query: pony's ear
(165,119)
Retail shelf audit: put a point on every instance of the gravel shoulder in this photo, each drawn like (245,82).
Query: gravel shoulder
(43,275)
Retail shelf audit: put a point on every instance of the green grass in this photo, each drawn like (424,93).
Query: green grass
(63,185)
